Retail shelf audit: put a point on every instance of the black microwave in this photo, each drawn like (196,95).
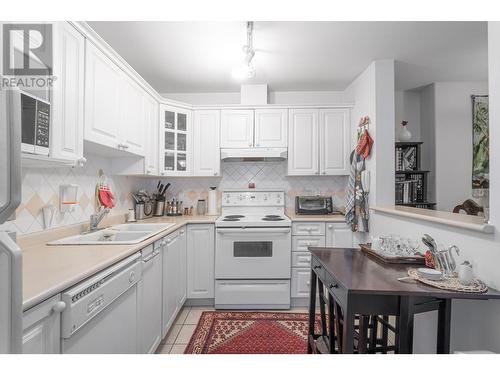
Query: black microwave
(314,205)
(35,125)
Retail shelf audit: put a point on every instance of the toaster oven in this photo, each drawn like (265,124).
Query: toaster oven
(313,205)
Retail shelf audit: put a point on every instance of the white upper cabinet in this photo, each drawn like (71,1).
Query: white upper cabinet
(68,93)
(271,127)
(114,105)
(102,98)
(206,150)
(303,150)
(151,126)
(175,141)
(237,128)
(334,135)
(318,142)
(131,128)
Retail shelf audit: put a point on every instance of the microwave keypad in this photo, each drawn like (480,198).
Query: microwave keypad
(42,125)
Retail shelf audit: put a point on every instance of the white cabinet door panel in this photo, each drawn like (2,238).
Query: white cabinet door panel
(42,328)
(338,235)
(206,150)
(237,128)
(68,93)
(300,282)
(102,98)
(271,127)
(151,124)
(201,260)
(334,136)
(303,142)
(171,285)
(132,128)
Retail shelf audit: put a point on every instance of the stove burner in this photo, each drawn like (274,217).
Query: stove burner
(233,216)
(272,218)
(231,219)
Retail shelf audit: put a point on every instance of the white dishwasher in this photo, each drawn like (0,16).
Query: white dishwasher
(101,312)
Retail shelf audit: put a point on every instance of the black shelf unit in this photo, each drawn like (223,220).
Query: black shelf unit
(411,180)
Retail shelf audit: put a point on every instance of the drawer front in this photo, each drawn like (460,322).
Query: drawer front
(335,288)
(308,228)
(301,280)
(301,243)
(318,268)
(301,259)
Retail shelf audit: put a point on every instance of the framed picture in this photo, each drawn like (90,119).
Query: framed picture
(480,142)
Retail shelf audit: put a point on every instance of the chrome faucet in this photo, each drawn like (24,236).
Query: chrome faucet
(95,219)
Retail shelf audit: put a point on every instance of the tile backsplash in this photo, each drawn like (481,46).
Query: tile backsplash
(41,188)
(264,175)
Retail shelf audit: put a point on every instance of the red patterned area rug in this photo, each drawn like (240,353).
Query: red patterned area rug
(229,332)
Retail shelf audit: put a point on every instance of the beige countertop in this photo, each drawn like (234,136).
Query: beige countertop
(48,270)
(474,223)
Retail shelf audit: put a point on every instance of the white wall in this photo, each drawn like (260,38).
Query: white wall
(408,109)
(373,95)
(453,121)
(475,325)
(428,137)
(274,97)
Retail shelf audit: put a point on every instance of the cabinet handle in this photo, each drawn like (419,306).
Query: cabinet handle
(333,286)
(148,171)
(316,172)
(125,146)
(323,172)
(59,307)
(250,144)
(168,240)
(316,267)
(330,226)
(119,145)
(308,283)
(182,231)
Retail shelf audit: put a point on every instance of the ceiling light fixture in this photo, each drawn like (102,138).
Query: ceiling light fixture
(246,69)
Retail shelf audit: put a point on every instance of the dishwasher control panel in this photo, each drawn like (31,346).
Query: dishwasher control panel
(89,298)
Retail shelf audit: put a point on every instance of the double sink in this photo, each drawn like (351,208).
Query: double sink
(122,234)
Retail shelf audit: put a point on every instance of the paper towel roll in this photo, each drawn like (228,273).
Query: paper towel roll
(212,202)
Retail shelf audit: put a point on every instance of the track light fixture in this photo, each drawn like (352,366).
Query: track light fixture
(245,69)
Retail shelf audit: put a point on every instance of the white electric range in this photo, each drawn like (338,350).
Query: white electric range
(253,251)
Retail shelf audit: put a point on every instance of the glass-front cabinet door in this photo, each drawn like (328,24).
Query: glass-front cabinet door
(175,141)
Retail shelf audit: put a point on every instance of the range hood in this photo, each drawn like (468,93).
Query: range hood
(253,154)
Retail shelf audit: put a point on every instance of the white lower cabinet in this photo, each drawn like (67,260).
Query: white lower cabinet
(42,327)
(338,235)
(150,300)
(174,276)
(307,234)
(300,282)
(200,260)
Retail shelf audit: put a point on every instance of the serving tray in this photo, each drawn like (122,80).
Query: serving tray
(367,249)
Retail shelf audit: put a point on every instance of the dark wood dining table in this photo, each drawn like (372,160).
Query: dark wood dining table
(364,286)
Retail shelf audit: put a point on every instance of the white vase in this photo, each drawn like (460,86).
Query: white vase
(404,134)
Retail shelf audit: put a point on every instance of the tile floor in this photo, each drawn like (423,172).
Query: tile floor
(179,335)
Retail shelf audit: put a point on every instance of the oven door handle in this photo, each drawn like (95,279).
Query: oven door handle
(253,230)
